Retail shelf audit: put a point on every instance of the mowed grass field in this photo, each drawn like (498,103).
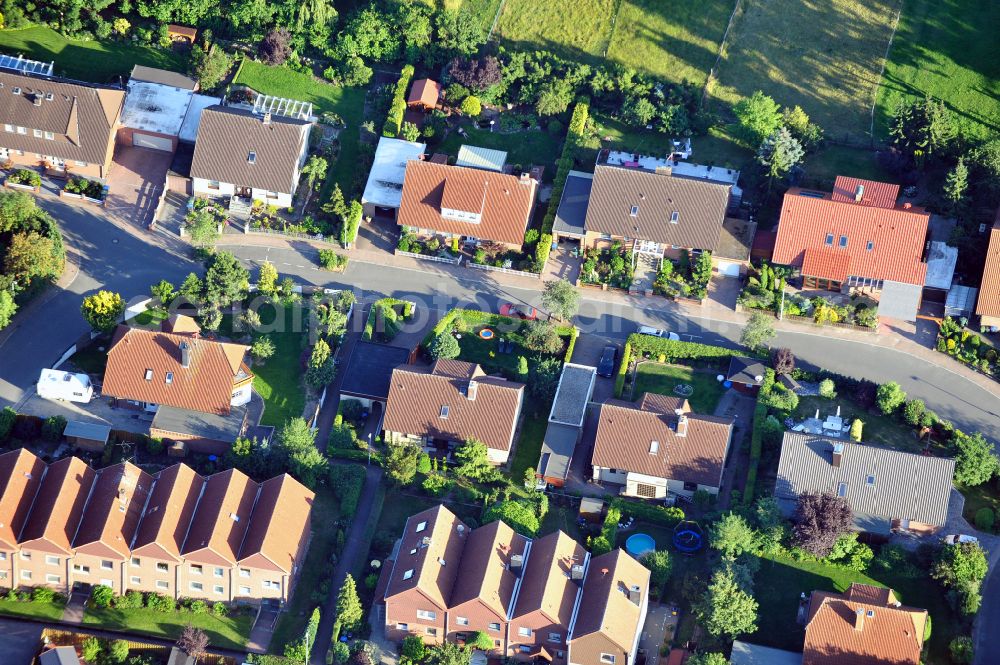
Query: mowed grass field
(675,40)
(575,29)
(946,49)
(824,55)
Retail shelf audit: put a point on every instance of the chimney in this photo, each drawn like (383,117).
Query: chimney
(470,392)
(907,205)
(517,564)
(267,118)
(635,594)
(37,99)
(185,355)
(576,573)
(681,428)
(859,619)
(837,454)
(859,193)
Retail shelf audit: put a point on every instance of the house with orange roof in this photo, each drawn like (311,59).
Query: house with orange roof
(865,625)
(21,473)
(856,239)
(988,304)
(473,205)
(197,388)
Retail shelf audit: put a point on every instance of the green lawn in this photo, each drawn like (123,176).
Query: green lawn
(92,359)
(947,49)
(225,633)
(653,377)
(150,317)
(529,447)
(95,61)
(676,40)
(348,103)
(878,429)
(279,380)
(32,609)
(315,570)
(576,29)
(823,56)
(986,495)
(823,167)
(485,352)
(524,148)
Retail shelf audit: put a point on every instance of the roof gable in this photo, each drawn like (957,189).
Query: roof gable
(606,607)
(114,509)
(220,521)
(59,504)
(282,501)
(548,586)
(21,473)
(169,511)
(485,573)
(429,554)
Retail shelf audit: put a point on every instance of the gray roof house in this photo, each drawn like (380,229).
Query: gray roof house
(569,408)
(888,489)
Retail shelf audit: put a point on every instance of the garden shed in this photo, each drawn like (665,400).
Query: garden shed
(481,158)
(87,436)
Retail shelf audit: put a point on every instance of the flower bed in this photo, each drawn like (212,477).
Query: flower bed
(435,246)
(684,278)
(90,191)
(611,266)
(500,256)
(266,218)
(24,179)
(968,347)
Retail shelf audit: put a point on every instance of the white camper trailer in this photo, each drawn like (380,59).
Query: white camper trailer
(66,386)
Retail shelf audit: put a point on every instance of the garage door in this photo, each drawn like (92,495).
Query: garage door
(141,140)
(729,269)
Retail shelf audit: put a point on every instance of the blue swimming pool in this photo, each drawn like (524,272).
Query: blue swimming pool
(640,544)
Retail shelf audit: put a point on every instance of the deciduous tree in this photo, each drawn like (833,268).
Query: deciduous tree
(561,298)
(193,641)
(976,461)
(819,520)
(758,116)
(445,346)
(103,310)
(757,331)
(889,397)
(7,308)
(783,361)
(276,46)
(732,536)
(726,609)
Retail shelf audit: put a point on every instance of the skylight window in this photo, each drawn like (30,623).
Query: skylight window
(654,447)
(870,246)
(170,377)
(421,526)
(408,574)
(635,211)
(444,411)
(829,240)
(870,480)
(149,374)
(843,241)
(252,157)
(674,217)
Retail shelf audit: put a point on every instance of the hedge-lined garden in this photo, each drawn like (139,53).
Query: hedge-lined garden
(669,351)
(385,317)
(577,126)
(397,109)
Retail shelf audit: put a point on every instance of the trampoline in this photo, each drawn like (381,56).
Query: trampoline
(688,537)
(640,544)
(486,333)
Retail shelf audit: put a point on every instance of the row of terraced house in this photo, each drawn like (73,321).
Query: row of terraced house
(221,538)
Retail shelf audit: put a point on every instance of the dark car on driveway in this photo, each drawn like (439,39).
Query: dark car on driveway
(525,312)
(606,367)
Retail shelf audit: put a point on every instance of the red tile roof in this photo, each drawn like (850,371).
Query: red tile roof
(113,511)
(505,202)
(606,607)
(21,473)
(884,632)
(897,234)
(873,193)
(206,385)
(826,263)
(283,501)
(58,506)
(220,521)
(486,560)
(424,91)
(989,288)
(168,512)
(429,537)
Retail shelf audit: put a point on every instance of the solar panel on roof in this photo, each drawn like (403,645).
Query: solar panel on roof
(22,64)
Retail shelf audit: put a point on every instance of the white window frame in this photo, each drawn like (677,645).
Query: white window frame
(52,578)
(135,580)
(427,615)
(107,565)
(524,632)
(608,658)
(218,589)
(51,560)
(162,584)
(197,586)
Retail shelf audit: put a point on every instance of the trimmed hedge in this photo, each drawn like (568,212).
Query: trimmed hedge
(653,347)
(475,318)
(352,221)
(347,481)
(577,125)
(354,455)
(757,436)
(648,512)
(606,542)
(397,109)
(623,368)
(572,344)
(385,305)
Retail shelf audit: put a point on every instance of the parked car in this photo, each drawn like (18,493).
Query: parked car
(606,367)
(523,312)
(657,332)
(955,539)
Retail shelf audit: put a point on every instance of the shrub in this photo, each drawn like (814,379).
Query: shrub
(397,109)
(889,397)
(827,389)
(985,519)
(43,594)
(91,649)
(132,600)
(471,106)
(118,652)
(52,428)
(913,411)
(102,596)
(198,607)
(962,650)
(159,603)
(219,609)
(857,428)
(331,260)
(436,484)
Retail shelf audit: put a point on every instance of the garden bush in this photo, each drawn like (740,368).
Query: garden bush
(648,512)
(132,600)
(606,541)
(347,481)
(397,108)
(53,427)
(25,177)
(102,596)
(159,603)
(43,594)
(331,260)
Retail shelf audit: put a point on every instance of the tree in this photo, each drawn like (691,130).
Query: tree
(414,650)
(922,128)
(226,280)
(480,641)
(103,310)
(955,185)
(889,397)
(316,19)
(335,206)
(211,66)
(296,441)
(778,153)
(401,462)
(321,368)
(477,74)
(8,417)
(758,116)
(31,255)
(7,308)
(732,536)
(561,298)
(819,520)
(712,658)
(369,34)
(783,361)
(522,362)
(554,97)
(275,48)
(315,171)
(352,71)
(726,608)
(458,32)
(471,106)
(202,226)
(542,380)
(193,641)
(913,411)
(349,611)
(976,461)
(543,337)
(639,111)
(91,649)
(409,132)
(267,279)
(444,346)
(474,462)
(961,568)
(191,289)
(827,388)
(659,564)
(449,653)
(163,291)
(757,331)
(118,652)
(963,650)
(516,514)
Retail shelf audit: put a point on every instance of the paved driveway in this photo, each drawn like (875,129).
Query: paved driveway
(136,179)
(19,641)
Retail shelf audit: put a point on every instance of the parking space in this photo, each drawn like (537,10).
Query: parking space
(135,181)
(98,410)
(588,352)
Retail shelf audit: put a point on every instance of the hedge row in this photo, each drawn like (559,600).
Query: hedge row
(757,436)
(673,350)
(352,222)
(606,542)
(386,306)
(347,481)
(476,318)
(577,125)
(572,344)
(354,455)
(623,368)
(397,109)
(648,512)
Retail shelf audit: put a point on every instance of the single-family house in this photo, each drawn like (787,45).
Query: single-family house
(654,212)
(449,402)
(249,155)
(470,204)
(856,238)
(198,389)
(888,490)
(56,124)
(656,447)
(424,95)
(384,188)
(865,625)
(988,305)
